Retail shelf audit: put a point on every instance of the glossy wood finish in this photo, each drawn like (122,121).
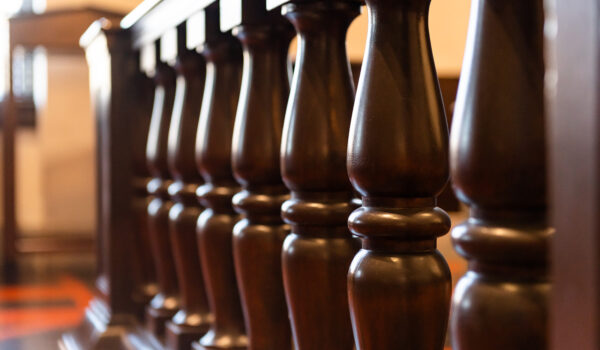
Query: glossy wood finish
(194,317)
(573,92)
(110,319)
(258,237)
(213,157)
(498,167)
(144,269)
(317,254)
(166,302)
(399,283)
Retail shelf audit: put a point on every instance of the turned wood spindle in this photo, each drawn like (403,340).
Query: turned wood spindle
(143,261)
(318,252)
(213,158)
(193,318)
(258,237)
(166,302)
(498,168)
(399,283)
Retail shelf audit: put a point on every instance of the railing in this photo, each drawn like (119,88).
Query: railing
(295,215)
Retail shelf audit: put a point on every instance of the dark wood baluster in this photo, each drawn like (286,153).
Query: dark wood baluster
(258,237)
(166,303)
(399,283)
(498,168)
(143,262)
(213,156)
(317,254)
(193,318)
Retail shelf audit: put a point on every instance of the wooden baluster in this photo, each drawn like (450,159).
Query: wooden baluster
(213,156)
(498,168)
(143,261)
(399,283)
(317,254)
(258,237)
(193,318)
(165,304)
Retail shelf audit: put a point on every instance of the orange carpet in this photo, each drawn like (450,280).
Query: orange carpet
(27,310)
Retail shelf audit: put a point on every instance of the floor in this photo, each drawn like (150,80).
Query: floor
(44,297)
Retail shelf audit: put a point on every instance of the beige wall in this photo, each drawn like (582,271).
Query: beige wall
(448,21)
(123,6)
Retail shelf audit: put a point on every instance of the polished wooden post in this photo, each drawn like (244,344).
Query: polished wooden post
(317,254)
(258,237)
(399,283)
(213,156)
(146,286)
(110,319)
(193,318)
(498,163)
(166,302)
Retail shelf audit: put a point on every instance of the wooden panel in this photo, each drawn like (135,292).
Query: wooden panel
(573,92)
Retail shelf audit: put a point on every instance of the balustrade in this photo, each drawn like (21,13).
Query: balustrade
(252,186)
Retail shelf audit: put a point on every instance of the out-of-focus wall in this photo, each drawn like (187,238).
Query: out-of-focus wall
(55,161)
(123,6)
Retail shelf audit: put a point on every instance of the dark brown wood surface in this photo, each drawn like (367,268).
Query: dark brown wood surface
(194,317)
(258,237)
(166,302)
(144,269)
(498,162)
(317,254)
(213,158)
(399,283)
(110,319)
(573,93)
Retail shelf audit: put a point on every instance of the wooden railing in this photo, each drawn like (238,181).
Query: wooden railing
(290,214)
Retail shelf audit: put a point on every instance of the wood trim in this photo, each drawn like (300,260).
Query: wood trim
(53,244)
(148,26)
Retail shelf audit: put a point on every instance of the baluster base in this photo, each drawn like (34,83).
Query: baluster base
(102,331)
(198,346)
(156,320)
(181,336)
